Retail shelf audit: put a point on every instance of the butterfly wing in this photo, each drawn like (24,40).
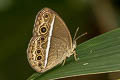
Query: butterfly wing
(60,43)
(36,51)
(61,31)
(50,42)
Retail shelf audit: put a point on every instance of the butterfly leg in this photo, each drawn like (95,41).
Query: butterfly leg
(75,55)
(63,62)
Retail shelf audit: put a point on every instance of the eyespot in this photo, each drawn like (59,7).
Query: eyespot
(42,38)
(39,57)
(43,29)
(39,64)
(46,15)
(39,51)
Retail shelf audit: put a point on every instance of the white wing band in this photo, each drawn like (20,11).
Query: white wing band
(49,38)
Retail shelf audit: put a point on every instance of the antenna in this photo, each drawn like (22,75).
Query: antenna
(74,39)
(80,36)
(76,33)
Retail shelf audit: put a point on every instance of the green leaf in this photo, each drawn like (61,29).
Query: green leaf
(98,55)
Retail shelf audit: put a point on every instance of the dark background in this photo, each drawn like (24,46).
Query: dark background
(17,20)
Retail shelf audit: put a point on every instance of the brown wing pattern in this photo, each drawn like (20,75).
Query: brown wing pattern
(61,31)
(38,44)
(57,52)
(59,44)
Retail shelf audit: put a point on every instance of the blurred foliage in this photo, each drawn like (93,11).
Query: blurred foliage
(17,20)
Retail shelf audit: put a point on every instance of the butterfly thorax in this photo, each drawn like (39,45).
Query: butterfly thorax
(71,50)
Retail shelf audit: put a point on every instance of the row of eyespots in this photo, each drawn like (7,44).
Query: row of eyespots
(44,28)
(43,31)
(42,18)
(45,18)
(39,57)
(39,52)
(41,23)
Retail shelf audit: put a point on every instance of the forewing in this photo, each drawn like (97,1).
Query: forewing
(60,43)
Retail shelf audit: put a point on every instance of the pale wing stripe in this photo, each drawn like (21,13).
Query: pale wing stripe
(49,38)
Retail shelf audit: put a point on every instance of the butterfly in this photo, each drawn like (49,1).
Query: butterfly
(51,42)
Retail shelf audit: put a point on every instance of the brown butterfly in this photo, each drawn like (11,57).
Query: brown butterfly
(51,42)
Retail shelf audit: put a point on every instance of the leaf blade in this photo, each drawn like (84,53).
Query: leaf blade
(98,55)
